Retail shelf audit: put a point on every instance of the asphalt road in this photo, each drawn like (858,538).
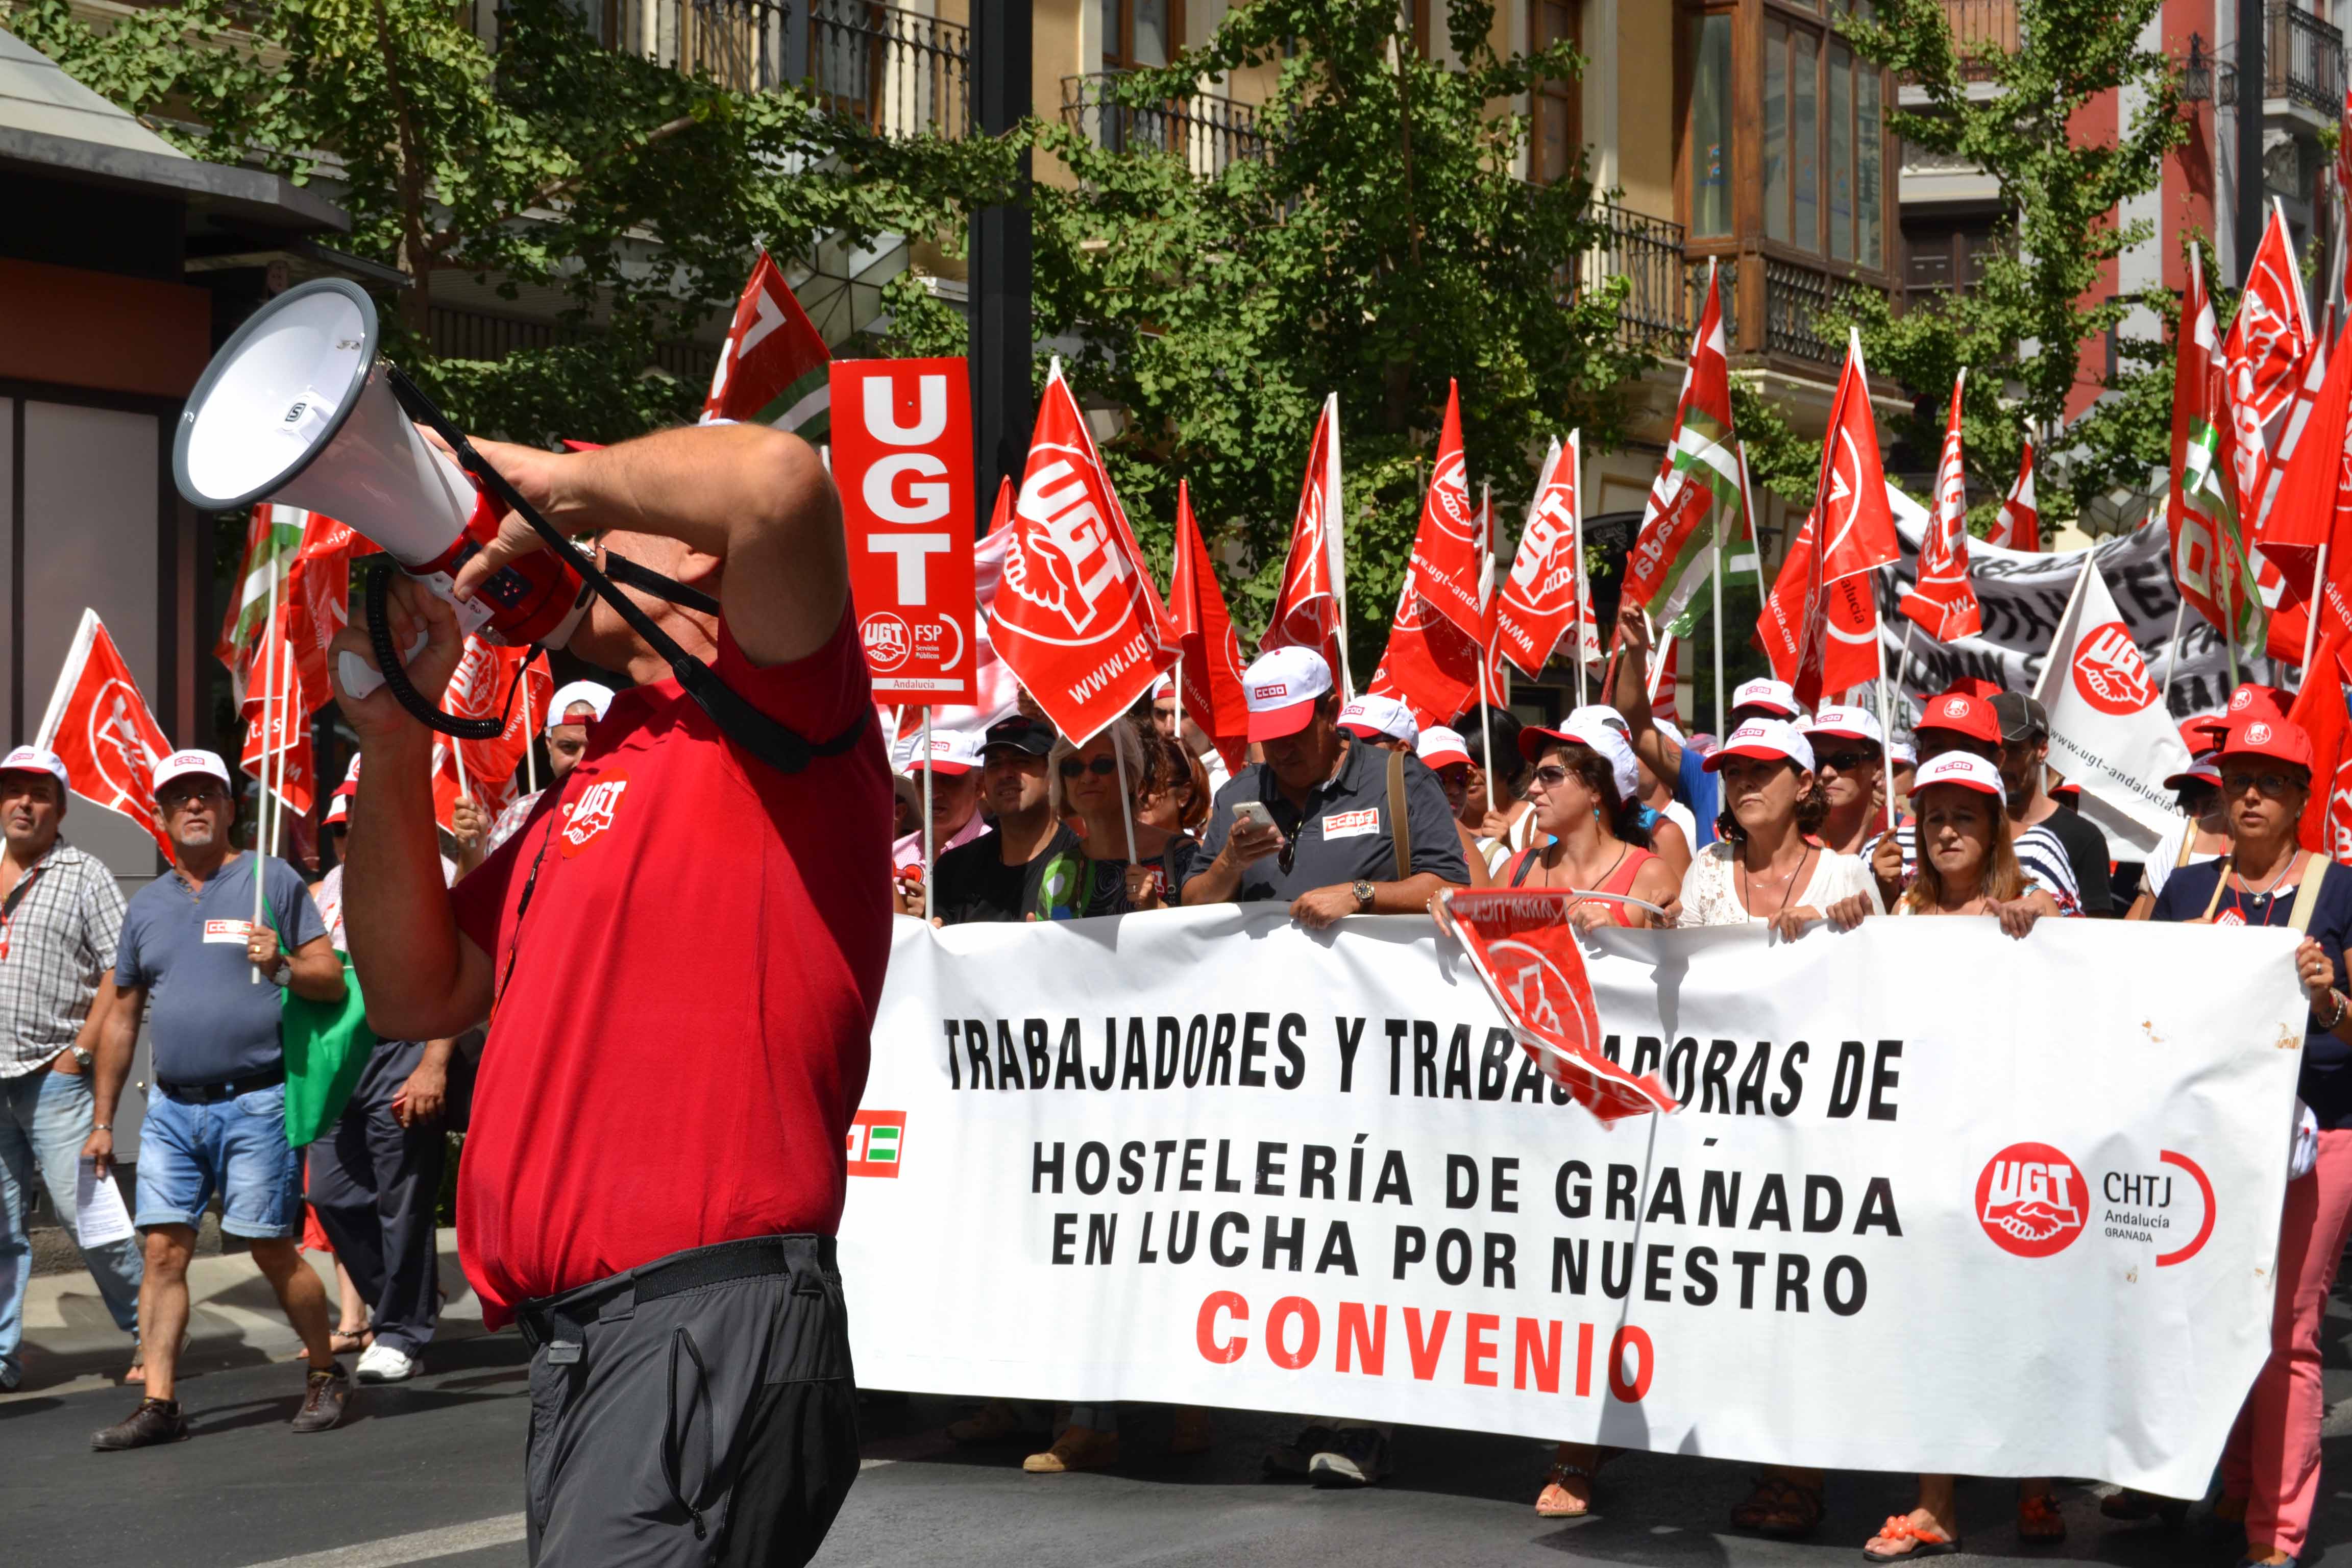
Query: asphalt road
(430,1471)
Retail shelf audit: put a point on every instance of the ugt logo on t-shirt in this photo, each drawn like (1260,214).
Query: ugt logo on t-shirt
(595,812)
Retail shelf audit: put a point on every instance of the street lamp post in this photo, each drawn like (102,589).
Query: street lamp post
(1001,256)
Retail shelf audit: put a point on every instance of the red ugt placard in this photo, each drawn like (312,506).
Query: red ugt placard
(902,459)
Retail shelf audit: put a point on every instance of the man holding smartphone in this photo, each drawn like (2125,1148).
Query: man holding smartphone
(1321,825)
(680,953)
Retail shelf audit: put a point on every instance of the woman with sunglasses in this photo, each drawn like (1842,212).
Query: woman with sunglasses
(1583,798)
(1967,866)
(1849,757)
(1095,879)
(2270,1470)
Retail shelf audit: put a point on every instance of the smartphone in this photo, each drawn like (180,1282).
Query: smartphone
(1254,813)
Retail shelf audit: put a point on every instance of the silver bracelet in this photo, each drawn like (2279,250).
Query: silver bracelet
(2342,1005)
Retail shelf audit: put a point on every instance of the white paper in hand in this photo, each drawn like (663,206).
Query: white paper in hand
(102,1220)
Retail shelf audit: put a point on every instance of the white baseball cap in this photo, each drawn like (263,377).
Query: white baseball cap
(1164,687)
(595,696)
(179,764)
(34,760)
(1440,747)
(1669,728)
(1847,724)
(954,752)
(1370,716)
(1775,697)
(1603,738)
(1279,688)
(1765,739)
(1962,770)
(1602,713)
(1902,753)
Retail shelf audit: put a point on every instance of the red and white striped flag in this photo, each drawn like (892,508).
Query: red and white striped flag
(2019,526)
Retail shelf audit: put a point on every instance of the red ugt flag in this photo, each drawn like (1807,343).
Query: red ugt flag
(276,714)
(1213,655)
(1076,615)
(1306,611)
(1944,602)
(1526,955)
(1542,596)
(2326,825)
(2018,525)
(318,596)
(1445,548)
(100,727)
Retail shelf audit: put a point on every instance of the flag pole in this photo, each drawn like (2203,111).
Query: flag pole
(1583,583)
(2172,658)
(1886,718)
(1903,668)
(1125,802)
(261,812)
(928,848)
(1716,577)
(1334,540)
(2318,602)
(1486,703)
(531,742)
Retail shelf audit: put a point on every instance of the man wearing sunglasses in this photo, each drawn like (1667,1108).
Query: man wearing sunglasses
(1330,846)
(2025,771)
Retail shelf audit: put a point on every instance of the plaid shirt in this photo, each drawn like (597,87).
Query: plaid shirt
(60,945)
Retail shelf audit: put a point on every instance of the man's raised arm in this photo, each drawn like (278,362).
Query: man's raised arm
(424,978)
(1630,695)
(754,497)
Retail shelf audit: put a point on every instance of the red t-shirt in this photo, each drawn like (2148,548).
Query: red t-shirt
(676,1057)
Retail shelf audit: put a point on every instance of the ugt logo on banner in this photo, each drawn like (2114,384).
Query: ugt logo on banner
(902,458)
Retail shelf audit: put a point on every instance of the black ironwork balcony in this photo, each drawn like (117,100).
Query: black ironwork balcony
(1663,293)
(1208,133)
(2303,62)
(1795,296)
(901,72)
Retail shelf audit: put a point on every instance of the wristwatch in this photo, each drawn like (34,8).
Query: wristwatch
(283,976)
(82,1058)
(1363,891)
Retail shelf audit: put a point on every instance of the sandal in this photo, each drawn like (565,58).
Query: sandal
(349,1342)
(1780,1508)
(1925,1539)
(2039,1523)
(1556,1500)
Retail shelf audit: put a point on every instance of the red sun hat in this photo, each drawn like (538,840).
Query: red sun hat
(1963,714)
(2274,740)
(1960,770)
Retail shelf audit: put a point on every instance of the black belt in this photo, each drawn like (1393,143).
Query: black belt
(543,1320)
(213,1093)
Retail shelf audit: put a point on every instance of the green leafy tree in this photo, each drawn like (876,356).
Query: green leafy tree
(636,191)
(2022,329)
(1380,245)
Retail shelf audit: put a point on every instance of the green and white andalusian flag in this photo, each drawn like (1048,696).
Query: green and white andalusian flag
(2209,550)
(773,368)
(273,536)
(1695,505)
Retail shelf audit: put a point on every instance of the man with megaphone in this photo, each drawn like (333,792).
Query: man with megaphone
(680,953)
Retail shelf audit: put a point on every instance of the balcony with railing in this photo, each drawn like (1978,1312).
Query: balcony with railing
(899,71)
(1663,292)
(2303,62)
(1983,32)
(1208,133)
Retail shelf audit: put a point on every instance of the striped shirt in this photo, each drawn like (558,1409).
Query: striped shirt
(58,944)
(2039,854)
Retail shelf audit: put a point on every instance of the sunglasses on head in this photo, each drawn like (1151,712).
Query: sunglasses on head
(1100,767)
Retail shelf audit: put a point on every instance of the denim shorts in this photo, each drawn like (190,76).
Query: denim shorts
(234,1147)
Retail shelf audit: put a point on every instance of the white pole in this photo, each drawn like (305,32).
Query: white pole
(1901,670)
(2318,602)
(1583,583)
(261,812)
(1485,698)
(1717,577)
(1657,670)
(928,848)
(2172,659)
(1334,540)
(531,742)
(1126,805)
(1886,727)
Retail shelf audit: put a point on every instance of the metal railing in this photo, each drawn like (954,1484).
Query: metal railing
(901,72)
(1664,293)
(1794,296)
(1208,133)
(2303,61)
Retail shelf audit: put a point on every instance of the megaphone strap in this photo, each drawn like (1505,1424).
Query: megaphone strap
(621,569)
(778,745)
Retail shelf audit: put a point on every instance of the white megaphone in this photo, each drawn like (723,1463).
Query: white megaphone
(295,408)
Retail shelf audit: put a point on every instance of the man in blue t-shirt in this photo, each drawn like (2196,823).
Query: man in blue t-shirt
(216,1117)
(1661,747)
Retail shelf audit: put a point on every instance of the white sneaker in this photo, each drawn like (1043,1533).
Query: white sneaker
(386,1364)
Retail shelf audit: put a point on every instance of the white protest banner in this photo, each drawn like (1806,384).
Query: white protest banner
(2023,595)
(2108,729)
(1907,1219)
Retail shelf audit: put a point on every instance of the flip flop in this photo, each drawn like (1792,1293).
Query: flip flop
(1927,1541)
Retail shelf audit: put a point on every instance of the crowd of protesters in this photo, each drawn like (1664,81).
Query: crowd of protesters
(1793,820)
